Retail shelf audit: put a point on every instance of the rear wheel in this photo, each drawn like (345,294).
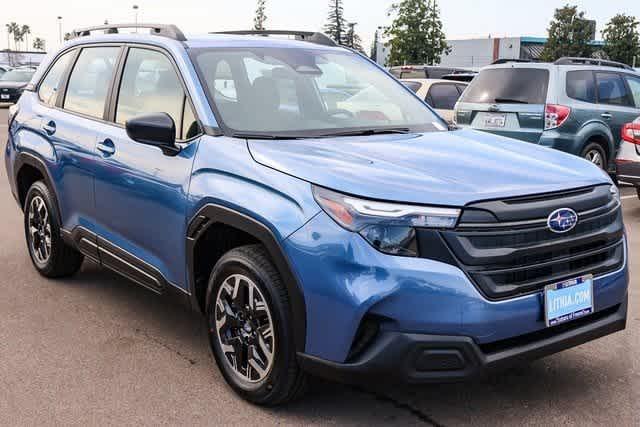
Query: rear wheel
(50,255)
(594,153)
(249,328)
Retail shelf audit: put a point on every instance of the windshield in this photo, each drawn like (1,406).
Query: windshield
(17,76)
(509,86)
(299,92)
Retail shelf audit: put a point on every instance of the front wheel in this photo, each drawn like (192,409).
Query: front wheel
(249,328)
(594,153)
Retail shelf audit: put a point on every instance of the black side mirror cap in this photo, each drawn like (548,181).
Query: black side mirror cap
(157,129)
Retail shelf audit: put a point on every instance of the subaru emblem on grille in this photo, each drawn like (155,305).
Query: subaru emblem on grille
(562,220)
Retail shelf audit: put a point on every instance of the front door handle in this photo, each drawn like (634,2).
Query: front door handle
(106,147)
(606,116)
(49,127)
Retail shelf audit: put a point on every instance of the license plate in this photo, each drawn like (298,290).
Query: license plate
(4,96)
(495,120)
(568,300)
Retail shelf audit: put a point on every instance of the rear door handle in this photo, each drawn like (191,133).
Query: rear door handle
(106,147)
(49,127)
(606,116)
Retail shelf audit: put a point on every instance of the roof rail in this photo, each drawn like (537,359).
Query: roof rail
(307,36)
(165,30)
(591,61)
(508,61)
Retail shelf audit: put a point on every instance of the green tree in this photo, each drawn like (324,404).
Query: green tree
(416,34)
(336,24)
(14,30)
(374,47)
(38,43)
(622,41)
(353,40)
(25,30)
(569,35)
(261,16)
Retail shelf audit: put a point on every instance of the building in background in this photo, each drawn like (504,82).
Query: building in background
(476,53)
(18,58)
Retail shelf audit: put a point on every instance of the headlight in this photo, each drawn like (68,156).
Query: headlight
(615,193)
(389,227)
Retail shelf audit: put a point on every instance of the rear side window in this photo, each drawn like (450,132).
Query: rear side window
(509,86)
(634,85)
(413,74)
(90,79)
(414,86)
(51,83)
(612,90)
(443,96)
(581,86)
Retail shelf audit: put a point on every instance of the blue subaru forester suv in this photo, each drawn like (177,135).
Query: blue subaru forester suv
(322,217)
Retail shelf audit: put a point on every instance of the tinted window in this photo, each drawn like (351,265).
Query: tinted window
(414,86)
(51,83)
(443,96)
(90,79)
(20,75)
(509,85)
(149,85)
(611,89)
(415,74)
(634,85)
(581,86)
(437,73)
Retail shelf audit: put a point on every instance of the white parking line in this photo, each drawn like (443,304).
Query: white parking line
(628,197)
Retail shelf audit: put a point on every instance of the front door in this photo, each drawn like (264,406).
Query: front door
(141,193)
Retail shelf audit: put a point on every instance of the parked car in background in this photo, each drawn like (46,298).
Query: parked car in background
(461,77)
(4,69)
(574,105)
(13,82)
(441,95)
(423,71)
(628,160)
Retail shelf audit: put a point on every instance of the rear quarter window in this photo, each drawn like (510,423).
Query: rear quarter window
(414,86)
(581,86)
(509,85)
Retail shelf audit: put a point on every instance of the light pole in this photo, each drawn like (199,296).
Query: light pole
(135,11)
(60,29)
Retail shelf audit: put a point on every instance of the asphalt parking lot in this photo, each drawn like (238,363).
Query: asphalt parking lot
(96,349)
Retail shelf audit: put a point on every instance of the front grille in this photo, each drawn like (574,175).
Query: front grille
(508,258)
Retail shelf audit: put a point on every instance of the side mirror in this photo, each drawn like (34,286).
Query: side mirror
(156,129)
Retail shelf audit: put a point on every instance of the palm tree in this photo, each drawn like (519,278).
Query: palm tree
(38,44)
(25,31)
(12,28)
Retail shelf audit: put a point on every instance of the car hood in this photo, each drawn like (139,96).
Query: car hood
(12,85)
(441,168)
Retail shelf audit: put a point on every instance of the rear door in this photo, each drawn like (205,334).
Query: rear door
(507,101)
(616,103)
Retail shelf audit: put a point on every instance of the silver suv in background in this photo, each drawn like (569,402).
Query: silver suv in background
(576,105)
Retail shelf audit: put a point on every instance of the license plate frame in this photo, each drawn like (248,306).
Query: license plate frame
(495,120)
(4,96)
(568,300)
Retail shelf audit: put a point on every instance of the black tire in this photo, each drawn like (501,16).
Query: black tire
(62,260)
(593,148)
(285,381)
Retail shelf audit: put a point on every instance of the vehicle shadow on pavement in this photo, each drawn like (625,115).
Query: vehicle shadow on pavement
(573,377)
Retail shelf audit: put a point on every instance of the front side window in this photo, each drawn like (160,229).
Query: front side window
(90,79)
(634,85)
(612,90)
(149,85)
(581,86)
(305,92)
(51,83)
(443,96)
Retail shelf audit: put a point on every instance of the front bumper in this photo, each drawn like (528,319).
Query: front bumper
(416,358)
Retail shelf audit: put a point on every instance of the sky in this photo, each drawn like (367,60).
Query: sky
(461,18)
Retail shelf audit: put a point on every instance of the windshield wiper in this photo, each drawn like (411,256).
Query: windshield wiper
(249,135)
(509,101)
(359,132)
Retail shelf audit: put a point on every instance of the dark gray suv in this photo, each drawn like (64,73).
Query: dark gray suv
(575,105)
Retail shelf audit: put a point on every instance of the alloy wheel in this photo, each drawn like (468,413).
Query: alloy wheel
(595,157)
(39,230)
(244,328)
